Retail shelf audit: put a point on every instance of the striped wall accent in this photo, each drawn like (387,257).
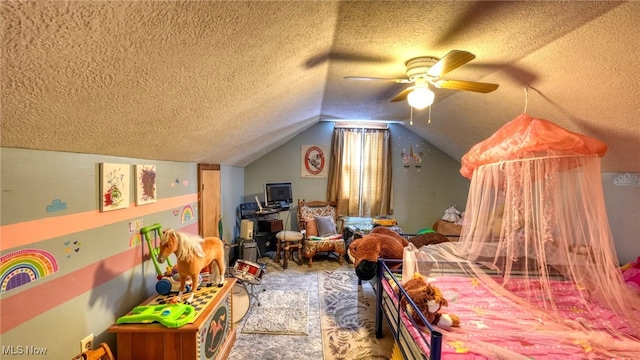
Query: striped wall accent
(28,304)
(29,232)
(22,306)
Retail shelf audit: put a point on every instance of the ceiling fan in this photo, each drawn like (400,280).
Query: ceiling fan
(425,71)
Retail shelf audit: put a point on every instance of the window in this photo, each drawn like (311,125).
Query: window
(360,172)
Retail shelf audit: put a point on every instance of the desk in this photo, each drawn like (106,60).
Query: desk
(268,224)
(210,336)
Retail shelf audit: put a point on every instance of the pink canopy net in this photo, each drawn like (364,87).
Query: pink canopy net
(535,236)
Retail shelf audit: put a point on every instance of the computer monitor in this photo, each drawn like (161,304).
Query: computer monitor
(278,193)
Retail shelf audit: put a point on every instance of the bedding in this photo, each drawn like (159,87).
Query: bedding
(441,260)
(493,324)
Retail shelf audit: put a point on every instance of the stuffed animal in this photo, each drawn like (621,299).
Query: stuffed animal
(428,239)
(452,214)
(380,242)
(430,301)
(385,243)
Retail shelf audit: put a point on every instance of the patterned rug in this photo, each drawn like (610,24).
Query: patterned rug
(312,346)
(347,317)
(280,312)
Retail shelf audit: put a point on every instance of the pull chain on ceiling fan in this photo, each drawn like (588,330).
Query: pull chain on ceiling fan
(425,71)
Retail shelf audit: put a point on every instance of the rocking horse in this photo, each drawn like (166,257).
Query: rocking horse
(193,254)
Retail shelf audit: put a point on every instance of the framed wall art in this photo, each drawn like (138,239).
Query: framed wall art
(114,186)
(145,184)
(314,161)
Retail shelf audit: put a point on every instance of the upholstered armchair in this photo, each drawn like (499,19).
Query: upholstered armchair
(318,221)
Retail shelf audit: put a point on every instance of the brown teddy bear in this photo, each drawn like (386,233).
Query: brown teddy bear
(428,239)
(380,242)
(430,301)
(385,243)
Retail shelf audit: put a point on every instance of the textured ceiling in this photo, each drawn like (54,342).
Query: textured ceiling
(226,82)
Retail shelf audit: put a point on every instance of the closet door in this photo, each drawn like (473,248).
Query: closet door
(209,199)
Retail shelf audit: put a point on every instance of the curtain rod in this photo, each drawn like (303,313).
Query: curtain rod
(361,125)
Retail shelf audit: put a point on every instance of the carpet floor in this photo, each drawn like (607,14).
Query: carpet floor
(329,320)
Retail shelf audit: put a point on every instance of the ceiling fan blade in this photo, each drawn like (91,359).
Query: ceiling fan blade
(451,61)
(398,81)
(465,85)
(403,94)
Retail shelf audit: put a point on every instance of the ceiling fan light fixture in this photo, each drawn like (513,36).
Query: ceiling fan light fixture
(420,98)
(425,70)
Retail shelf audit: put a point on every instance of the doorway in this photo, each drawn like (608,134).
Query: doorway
(209,199)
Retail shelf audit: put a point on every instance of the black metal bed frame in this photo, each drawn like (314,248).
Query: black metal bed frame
(434,341)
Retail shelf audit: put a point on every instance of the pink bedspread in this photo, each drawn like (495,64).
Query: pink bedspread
(496,321)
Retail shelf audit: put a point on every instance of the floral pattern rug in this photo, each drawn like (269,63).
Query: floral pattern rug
(324,338)
(347,316)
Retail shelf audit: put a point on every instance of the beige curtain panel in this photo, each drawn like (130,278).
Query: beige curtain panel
(360,172)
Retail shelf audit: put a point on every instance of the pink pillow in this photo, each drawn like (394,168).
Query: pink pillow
(311,226)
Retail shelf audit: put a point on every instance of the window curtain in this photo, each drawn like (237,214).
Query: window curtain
(360,172)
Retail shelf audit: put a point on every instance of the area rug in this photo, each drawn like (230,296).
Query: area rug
(347,317)
(280,312)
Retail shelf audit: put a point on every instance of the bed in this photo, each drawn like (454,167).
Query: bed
(549,283)
(493,325)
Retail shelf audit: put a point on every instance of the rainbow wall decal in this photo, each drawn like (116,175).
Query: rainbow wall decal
(187,214)
(135,240)
(24,266)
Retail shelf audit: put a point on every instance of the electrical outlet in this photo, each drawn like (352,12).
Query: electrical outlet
(86,343)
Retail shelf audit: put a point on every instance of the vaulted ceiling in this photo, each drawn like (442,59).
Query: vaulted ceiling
(227,81)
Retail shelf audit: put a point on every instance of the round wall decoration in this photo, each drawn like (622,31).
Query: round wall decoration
(314,161)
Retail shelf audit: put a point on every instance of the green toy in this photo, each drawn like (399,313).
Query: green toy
(156,230)
(425,231)
(172,316)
